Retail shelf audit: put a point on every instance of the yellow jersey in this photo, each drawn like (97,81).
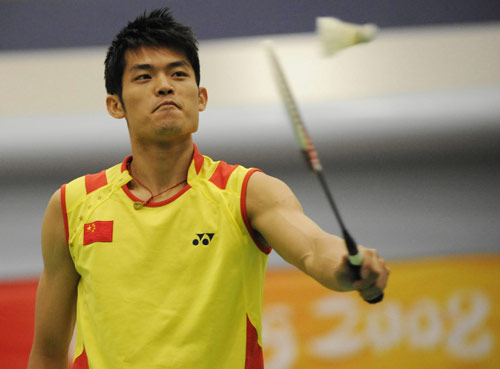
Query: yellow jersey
(171,284)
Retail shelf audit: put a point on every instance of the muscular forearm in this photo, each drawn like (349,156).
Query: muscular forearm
(330,267)
(326,263)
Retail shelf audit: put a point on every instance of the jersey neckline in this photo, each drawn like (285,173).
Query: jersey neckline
(196,164)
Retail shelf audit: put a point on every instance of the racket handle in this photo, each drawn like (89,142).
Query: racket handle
(355,268)
(356,272)
(376,299)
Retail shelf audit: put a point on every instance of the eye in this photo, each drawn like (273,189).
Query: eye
(180,74)
(142,77)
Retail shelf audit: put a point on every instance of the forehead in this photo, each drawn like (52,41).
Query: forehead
(155,56)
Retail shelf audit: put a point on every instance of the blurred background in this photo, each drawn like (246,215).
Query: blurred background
(407,128)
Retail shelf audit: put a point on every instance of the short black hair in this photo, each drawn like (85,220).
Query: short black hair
(156,29)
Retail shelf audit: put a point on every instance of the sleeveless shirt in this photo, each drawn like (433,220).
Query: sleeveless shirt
(171,284)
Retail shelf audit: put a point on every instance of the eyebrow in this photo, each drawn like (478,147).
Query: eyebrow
(175,64)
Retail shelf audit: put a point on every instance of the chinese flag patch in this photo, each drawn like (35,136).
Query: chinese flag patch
(98,231)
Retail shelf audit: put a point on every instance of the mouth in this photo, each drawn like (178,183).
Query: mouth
(166,104)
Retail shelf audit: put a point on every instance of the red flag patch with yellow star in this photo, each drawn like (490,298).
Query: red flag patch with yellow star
(98,231)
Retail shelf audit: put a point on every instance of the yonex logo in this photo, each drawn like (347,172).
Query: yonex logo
(204,238)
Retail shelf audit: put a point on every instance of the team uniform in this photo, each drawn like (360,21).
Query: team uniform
(170,284)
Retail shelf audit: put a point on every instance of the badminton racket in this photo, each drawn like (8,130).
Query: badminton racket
(310,154)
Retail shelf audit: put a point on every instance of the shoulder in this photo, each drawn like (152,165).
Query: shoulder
(54,226)
(266,193)
(55,201)
(260,181)
(94,181)
(86,184)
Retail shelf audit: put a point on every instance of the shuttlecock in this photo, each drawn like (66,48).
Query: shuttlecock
(336,35)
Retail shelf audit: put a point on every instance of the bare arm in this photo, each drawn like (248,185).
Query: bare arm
(277,215)
(56,295)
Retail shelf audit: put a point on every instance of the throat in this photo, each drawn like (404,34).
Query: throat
(145,193)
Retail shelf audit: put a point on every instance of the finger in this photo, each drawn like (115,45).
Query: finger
(369,277)
(374,270)
(375,275)
(384,275)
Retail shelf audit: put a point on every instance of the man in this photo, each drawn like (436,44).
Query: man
(161,259)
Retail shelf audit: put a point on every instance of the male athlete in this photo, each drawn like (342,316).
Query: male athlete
(160,260)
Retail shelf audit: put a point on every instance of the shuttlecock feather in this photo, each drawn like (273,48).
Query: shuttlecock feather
(336,35)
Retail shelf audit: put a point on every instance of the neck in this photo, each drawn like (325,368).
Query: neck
(158,167)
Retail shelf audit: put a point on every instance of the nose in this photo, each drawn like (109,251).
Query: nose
(163,86)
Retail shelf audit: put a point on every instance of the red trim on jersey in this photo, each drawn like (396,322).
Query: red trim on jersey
(150,204)
(95,181)
(198,159)
(253,358)
(64,212)
(243,205)
(221,174)
(81,362)
(125,163)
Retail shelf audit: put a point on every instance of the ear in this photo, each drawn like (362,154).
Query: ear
(115,107)
(202,98)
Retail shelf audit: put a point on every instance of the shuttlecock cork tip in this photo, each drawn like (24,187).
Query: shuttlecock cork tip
(368,32)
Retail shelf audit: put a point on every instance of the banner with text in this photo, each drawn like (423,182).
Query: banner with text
(437,313)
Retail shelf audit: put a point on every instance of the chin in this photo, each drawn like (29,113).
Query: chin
(171,128)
